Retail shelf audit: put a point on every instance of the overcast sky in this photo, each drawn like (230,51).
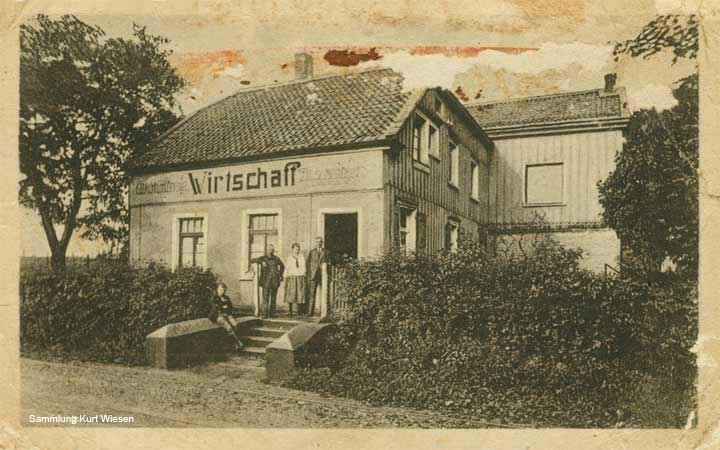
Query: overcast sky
(505,49)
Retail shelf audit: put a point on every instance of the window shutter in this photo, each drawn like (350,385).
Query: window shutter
(421,233)
(396,228)
(448,236)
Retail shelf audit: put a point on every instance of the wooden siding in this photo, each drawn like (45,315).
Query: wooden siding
(587,158)
(430,190)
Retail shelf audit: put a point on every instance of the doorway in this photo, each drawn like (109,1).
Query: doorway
(341,234)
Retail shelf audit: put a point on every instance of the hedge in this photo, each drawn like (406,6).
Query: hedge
(527,340)
(104,311)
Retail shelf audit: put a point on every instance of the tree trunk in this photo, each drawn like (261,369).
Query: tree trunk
(57,260)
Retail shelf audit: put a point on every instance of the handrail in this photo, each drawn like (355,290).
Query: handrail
(608,266)
(324,291)
(256,288)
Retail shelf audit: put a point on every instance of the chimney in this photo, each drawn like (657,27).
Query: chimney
(610,79)
(303,66)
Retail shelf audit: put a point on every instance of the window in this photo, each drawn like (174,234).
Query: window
(434,141)
(475,176)
(439,108)
(419,144)
(454,164)
(263,232)
(544,183)
(425,139)
(407,230)
(451,236)
(191,240)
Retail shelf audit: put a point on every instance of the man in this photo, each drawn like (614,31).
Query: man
(315,258)
(271,275)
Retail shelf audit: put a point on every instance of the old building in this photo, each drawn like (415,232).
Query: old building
(355,159)
(550,153)
(368,165)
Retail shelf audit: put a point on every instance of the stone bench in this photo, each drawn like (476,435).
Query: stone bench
(189,343)
(284,354)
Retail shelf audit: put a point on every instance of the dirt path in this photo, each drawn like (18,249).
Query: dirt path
(209,396)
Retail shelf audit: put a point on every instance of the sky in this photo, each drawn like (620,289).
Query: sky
(504,49)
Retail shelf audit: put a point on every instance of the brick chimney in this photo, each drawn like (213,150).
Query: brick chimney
(303,66)
(610,80)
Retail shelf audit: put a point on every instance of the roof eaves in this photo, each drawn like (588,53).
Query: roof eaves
(533,97)
(364,144)
(411,103)
(480,131)
(566,126)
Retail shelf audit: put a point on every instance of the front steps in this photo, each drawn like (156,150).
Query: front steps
(262,335)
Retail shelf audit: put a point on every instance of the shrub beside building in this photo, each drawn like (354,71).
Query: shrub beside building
(531,339)
(104,311)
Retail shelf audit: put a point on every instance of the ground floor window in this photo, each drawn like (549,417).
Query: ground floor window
(191,240)
(407,230)
(263,232)
(451,236)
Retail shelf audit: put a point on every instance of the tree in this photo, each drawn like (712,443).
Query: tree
(675,32)
(651,198)
(87,103)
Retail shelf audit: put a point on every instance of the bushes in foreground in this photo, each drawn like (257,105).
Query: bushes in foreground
(529,340)
(104,311)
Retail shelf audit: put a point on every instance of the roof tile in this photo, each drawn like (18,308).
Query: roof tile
(320,112)
(544,109)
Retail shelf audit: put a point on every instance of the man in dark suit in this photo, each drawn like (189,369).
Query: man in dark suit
(271,275)
(315,258)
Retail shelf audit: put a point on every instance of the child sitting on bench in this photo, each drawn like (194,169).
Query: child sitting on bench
(221,313)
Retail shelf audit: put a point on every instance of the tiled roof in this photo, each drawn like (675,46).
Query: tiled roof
(322,112)
(547,109)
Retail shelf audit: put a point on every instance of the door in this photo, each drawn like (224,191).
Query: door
(341,235)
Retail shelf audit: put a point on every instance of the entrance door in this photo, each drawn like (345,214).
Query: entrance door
(341,234)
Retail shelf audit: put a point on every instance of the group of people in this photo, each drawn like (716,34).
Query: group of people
(302,275)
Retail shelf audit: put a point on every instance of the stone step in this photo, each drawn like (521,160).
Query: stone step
(266,332)
(244,362)
(280,324)
(257,341)
(253,351)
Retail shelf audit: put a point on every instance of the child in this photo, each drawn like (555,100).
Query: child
(221,313)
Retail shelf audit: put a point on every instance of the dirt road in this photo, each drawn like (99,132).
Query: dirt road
(210,396)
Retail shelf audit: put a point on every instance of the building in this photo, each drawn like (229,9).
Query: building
(354,159)
(369,166)
(550,153)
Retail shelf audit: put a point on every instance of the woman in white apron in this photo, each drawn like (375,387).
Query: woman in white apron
(295,279)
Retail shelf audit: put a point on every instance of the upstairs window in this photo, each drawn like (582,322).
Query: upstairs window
(439,108)
(475,174)
(544,184)
(425,139)
(434,141)
(454,165)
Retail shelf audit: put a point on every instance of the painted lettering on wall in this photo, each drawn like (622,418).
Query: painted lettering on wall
(330,173)
(210,182)
(269,178)
(159,187)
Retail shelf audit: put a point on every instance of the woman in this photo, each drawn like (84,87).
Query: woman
(295,278)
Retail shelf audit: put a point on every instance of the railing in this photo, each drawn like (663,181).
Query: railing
(336,302)
(324,291)
(612,269)
(256,289)
(327,297)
